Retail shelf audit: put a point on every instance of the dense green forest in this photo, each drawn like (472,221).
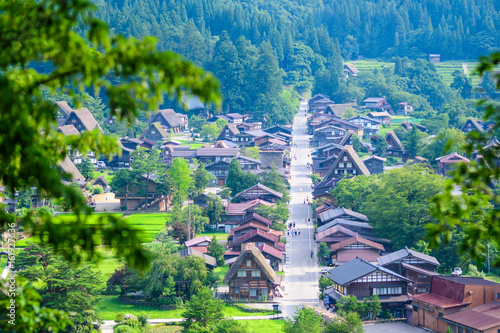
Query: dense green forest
(256,47)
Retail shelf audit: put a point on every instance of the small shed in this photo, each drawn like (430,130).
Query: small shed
(435,58)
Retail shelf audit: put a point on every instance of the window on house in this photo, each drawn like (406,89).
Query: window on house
(242,273)
(354,171)
(153,132)
(253,292)
(236,290)
(336,171)
(249,263)
(421,290)
(349,165)
(341,165)
(440,315)
(498,296)
(255,273)
(460,330)
(415,308)
(345,158)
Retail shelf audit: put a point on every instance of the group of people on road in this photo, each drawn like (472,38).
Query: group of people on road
(291,230)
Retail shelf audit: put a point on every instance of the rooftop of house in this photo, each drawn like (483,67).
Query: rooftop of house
(259,187)
(264,248)
(171,117)
(198,240)
(354,157)
(86,118)
(257,233)
(241,208)
(258,257)
(64,107)
(391,134)
(209,260)
(481,318)
(374,157)
(379,114)
(255,216)
(345,222)
(453,158)
(406,253)
(356,239)
(374,100)
(68,130)
(355,269)
(68,167)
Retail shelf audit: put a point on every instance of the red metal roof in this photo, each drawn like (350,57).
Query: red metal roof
(255,233)
(241,208)
(437,301)
(481,318)
(264,248)
(202,249)
(354,240)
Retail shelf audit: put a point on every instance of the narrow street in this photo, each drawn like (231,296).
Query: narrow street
(301,275)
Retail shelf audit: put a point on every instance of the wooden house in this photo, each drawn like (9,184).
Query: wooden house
(363,279)
(328,134)
(250,277)
(83,120)
(341,213)
(435,58)
(355,247)
(347,138)
(334,235)
(350,70)
(405,109)
(318,119)
(316,98)
(364,229)
(377,104)
(483,318)
(451,295)
(324,157)
(374,164)
(210,261)
(200,200)
(228,133)
(258,191)
(322,189)
(273,255)
(101,182)
(470,125)
(371,126)
(383,117)
(278,129)
(136,197)
(447,163)
(63,112)
(257,236)
(339,110)
(237,211)
(347,125)
(154,132)
(416,266)
(219,169)
(199,241)
(169,120)
(207,155)
(235,118)
(248,163)
(394,146)
(320,105)
(347,163)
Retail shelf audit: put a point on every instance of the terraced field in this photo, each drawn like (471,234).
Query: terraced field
(445,69)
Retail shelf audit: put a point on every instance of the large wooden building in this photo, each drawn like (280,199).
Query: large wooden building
(258,191)
(250,277)
(347,163)
(363,279)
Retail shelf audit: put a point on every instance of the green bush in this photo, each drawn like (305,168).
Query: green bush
(120,317)
(123,207)
(98,189)
(124,329)
(143,319)
(89,187)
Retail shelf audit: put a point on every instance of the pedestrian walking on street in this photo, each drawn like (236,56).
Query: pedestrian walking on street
(299,231)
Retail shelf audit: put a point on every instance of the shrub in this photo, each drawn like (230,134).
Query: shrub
(89,187)
(120,317)
(123,207)
(386,314)
(143,319)
(98,189)
(123,329)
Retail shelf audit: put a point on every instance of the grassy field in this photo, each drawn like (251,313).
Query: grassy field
(264,326)
(3,263)
(108,307)
(108,175)
(221,271)
(445,68)
(218,235)
(151,224)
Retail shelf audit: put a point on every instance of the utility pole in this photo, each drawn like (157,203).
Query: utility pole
(489,269)
(189,218)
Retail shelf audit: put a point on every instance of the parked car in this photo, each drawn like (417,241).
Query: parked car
(100,164)
(324,271)
(457,271)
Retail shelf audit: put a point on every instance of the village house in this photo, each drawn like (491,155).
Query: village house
(364,229)
(250,277)
(339,110)
(154,132)
(374,164)
(248,163)
(229,133)
(384,117)
(322,189)
(235,118)
(340,213)
(246,224)
(448,163)
(237,211)
(347,125)
(370,125)
(449,295)
(122,160)
(483,318)
(405,109)
(169,120)
(63,112)
(278,129)
(258,237)
(200,200)
(199,244)
(347,138)
(258,191)
(207,155)
(363,279)
(219,169)
(326,205)
(210,262)
(324,156)
(133,143)
(394,146)
(83,120)
(355,247)
(318,119)
(136,196)
(273,255)
(245,127)
(316,98)
(350,70)
(321,105)
(347,163)
(415,266)
(377,104)
(470,125)
(328,134)
(100,181)
(435,58)
(334,235)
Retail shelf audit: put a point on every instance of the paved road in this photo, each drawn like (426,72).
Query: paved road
(301,275)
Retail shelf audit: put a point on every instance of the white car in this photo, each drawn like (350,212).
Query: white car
(457,271)
(100,164)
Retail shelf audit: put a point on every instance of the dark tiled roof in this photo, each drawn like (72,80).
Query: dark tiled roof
(395,138)
(465,280)
(354,240)
(241,208)
(209,260)
(257,217)
(264,248)
(344,222)
(356,269)
(406,252)
(419,270)
(207,152)
(261,187)
(255,233)
(338,212)
(332,230)
(481,318)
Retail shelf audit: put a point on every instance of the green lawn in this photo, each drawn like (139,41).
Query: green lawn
(218,235)
(493,278)
(108,307)
(3,263)
(108,175)
(264,325)
(221,272)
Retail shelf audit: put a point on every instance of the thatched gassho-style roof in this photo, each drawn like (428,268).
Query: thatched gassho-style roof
(258,257)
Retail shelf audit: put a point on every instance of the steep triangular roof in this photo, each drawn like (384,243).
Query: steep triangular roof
(336,229)
(171,118)
(68,130)
(395,138)
(69,167)
(493,143)
(453,158)
(231,127)
(158,127)
(261,187)
(86,118)
(258,233)
(257,217)
(356,239)
(474,123)
(348,150)
(404,253)
(258,257)
(64,108)
(346,137)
